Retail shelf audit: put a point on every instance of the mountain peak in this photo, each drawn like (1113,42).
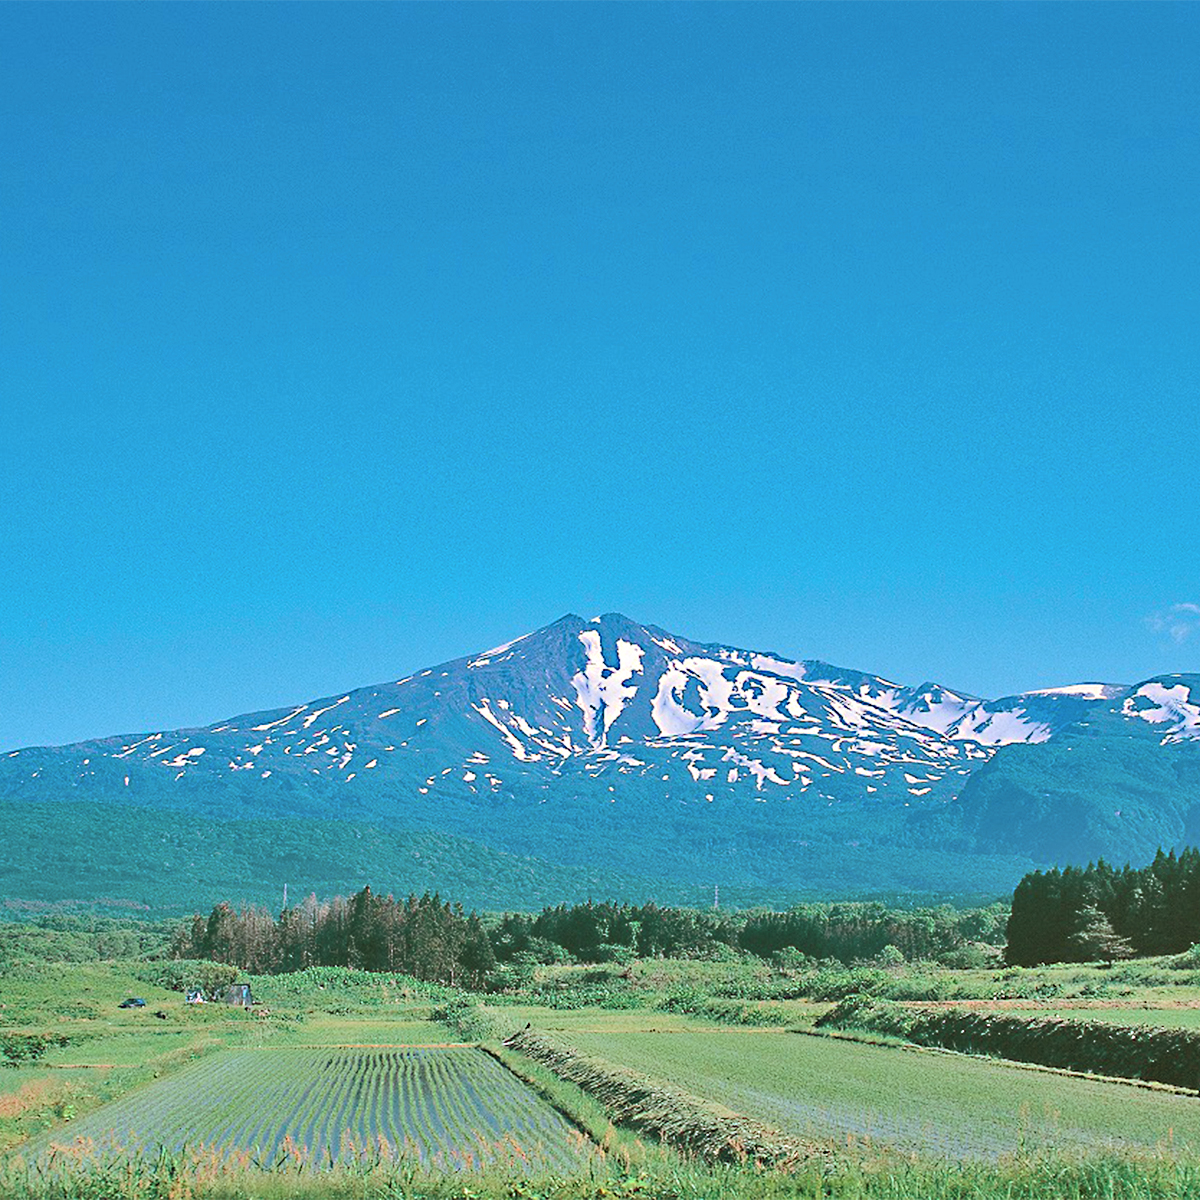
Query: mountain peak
(595,730)
(616,622)
(614,618)
(608,620)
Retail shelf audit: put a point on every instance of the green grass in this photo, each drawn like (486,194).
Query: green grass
(1172,1018)
(211,1177)
(938,1105)
(921,1101)
(72,993)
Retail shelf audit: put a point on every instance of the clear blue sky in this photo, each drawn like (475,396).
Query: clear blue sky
(339,340)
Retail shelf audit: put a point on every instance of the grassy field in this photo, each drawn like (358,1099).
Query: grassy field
(930,1102)
(1160,1014)
(977,1128)
(112,1051)
(916,1100)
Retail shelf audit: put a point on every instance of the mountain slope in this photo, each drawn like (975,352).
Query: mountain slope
(610,746)
(600,698)
(1119,785)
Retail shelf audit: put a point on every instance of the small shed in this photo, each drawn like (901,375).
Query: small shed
(239,994)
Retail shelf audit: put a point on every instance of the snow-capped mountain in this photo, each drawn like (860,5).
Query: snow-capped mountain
(586,714)
(609,698)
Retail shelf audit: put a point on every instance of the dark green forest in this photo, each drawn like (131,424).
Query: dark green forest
(1072,914)
(1084,914)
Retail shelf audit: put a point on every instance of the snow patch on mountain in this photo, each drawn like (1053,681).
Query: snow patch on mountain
(1000,728)
(1086,691)
(1160,702)
(496,653)
(519,750)
(933,707)
(601,690)
(612,701)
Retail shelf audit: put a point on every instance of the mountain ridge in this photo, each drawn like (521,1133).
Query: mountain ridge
(608,743)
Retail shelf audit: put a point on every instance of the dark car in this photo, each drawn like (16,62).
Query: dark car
(132,1002)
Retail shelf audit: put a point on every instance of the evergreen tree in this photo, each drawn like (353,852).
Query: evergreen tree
(1094,938)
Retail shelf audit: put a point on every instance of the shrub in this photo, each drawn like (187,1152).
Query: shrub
(890,956)
(921,987)
(183,974)
(830,984)
(468,1019)
(726,1012)
(610,952)
(972,956)
(19,1048)
(1189,960)
(790,959)
(867,1013)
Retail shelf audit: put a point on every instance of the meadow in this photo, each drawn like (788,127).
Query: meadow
(343,1082)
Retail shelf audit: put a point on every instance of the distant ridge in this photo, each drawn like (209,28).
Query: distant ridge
(623,751)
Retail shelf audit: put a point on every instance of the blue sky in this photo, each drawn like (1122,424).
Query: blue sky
(340,340)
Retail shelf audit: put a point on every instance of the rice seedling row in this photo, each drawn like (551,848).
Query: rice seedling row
(446,1107)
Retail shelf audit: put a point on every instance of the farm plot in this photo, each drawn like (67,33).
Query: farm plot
(453,1108)
(947,1105)
(1175,1017)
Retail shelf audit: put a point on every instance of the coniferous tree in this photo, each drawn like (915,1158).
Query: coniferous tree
(1095,939)
(1099,912)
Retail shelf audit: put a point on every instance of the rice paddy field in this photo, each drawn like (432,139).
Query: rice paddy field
(1173,1018)
(922,1101)
(449,1107)
(346,1072)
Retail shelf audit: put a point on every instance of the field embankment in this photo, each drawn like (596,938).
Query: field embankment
(1147,1052)
(699,1127)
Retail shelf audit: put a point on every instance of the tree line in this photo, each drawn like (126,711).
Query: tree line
(603,932)
(848,932)
(859,932)
(1082,914)
(423,937)
(436,941)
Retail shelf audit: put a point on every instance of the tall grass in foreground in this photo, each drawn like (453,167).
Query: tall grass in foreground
(211,1175)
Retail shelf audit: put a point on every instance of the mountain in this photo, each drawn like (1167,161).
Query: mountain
(603,753)
(1119,784)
